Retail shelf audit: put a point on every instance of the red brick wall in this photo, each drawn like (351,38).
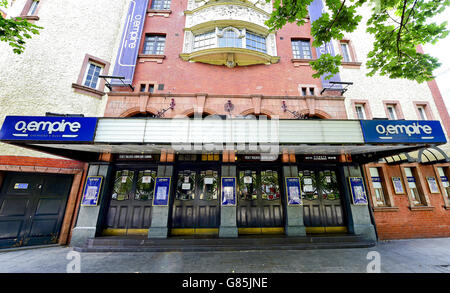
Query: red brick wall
(40,162)
(184,77)
(405,223)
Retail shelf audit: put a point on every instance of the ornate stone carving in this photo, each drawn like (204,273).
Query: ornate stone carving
(226,12)
(188,42)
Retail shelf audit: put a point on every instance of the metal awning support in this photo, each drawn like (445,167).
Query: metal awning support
(337,83)
(432,155)
(121,78)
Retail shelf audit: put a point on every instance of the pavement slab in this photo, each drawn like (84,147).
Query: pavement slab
(396,256)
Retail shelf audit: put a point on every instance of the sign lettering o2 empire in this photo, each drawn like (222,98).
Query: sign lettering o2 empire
(48,128)
(402,131)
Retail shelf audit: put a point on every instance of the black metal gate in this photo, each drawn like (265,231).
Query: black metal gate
(32,208)
(260,200)
(131,201)
(322,206)
(196,197)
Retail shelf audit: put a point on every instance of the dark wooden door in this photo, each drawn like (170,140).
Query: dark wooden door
(321,195)
(131,201)
(196,198)
(259,198)
(32,208)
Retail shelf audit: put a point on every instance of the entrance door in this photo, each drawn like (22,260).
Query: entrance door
(260,208)
(32,208)
(131,202)
(196,206)
(322,207)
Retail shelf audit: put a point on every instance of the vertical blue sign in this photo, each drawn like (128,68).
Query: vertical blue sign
(358,191)
(315,12)
(91,191)
(129,45)
(228,191)
(293,191)
(162,191)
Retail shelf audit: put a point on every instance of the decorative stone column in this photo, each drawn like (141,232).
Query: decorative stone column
(228,227)
(89,221)
(359,221)
(294,214)
(159,227)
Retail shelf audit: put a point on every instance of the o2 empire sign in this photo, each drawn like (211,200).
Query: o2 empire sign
(402,131)
(31,128)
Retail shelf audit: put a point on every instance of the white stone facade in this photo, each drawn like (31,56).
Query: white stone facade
(40,80)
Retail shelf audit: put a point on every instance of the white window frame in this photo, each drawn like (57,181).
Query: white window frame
(391,112)
(242,35)
(86,74)
(33,7)
(363,111)
(346,51)
(422,112)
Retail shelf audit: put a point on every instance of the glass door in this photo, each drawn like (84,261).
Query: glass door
(196,199)
(131,201)
(259,199)
(321,199)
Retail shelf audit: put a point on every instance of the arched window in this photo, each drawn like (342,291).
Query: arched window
(230,37)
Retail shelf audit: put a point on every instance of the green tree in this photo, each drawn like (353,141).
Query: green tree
(398,27)
(16,30)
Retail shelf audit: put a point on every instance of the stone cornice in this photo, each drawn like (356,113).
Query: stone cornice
(244,4)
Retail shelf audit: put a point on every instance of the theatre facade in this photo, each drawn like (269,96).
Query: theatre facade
(220,177)
(209,124)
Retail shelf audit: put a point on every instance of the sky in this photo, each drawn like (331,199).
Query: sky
(441,50)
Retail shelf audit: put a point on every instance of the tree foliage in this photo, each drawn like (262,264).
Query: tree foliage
(15,31)
(398,28)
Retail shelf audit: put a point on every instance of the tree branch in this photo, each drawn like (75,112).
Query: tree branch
(401,26)
(337,14)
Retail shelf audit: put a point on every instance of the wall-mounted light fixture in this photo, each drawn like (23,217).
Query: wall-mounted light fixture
(296,114)
(229,107)
(160,114)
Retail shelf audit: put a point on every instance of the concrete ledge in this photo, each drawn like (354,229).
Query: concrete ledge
(158,232)
(295,231)
(81,234)
(228,232)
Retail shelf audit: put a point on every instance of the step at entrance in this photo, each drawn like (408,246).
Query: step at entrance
(185,244)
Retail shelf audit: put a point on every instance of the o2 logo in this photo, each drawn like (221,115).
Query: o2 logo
(47,126)
(402,131)
(413,129)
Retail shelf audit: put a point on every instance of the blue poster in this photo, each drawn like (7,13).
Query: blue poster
(162,191)
(91,191)
(357,190)
(293,191)
(43,128)
(131,38)
(228,191)
(402,131)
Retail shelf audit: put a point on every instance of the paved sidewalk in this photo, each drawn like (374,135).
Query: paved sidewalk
(418,255)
